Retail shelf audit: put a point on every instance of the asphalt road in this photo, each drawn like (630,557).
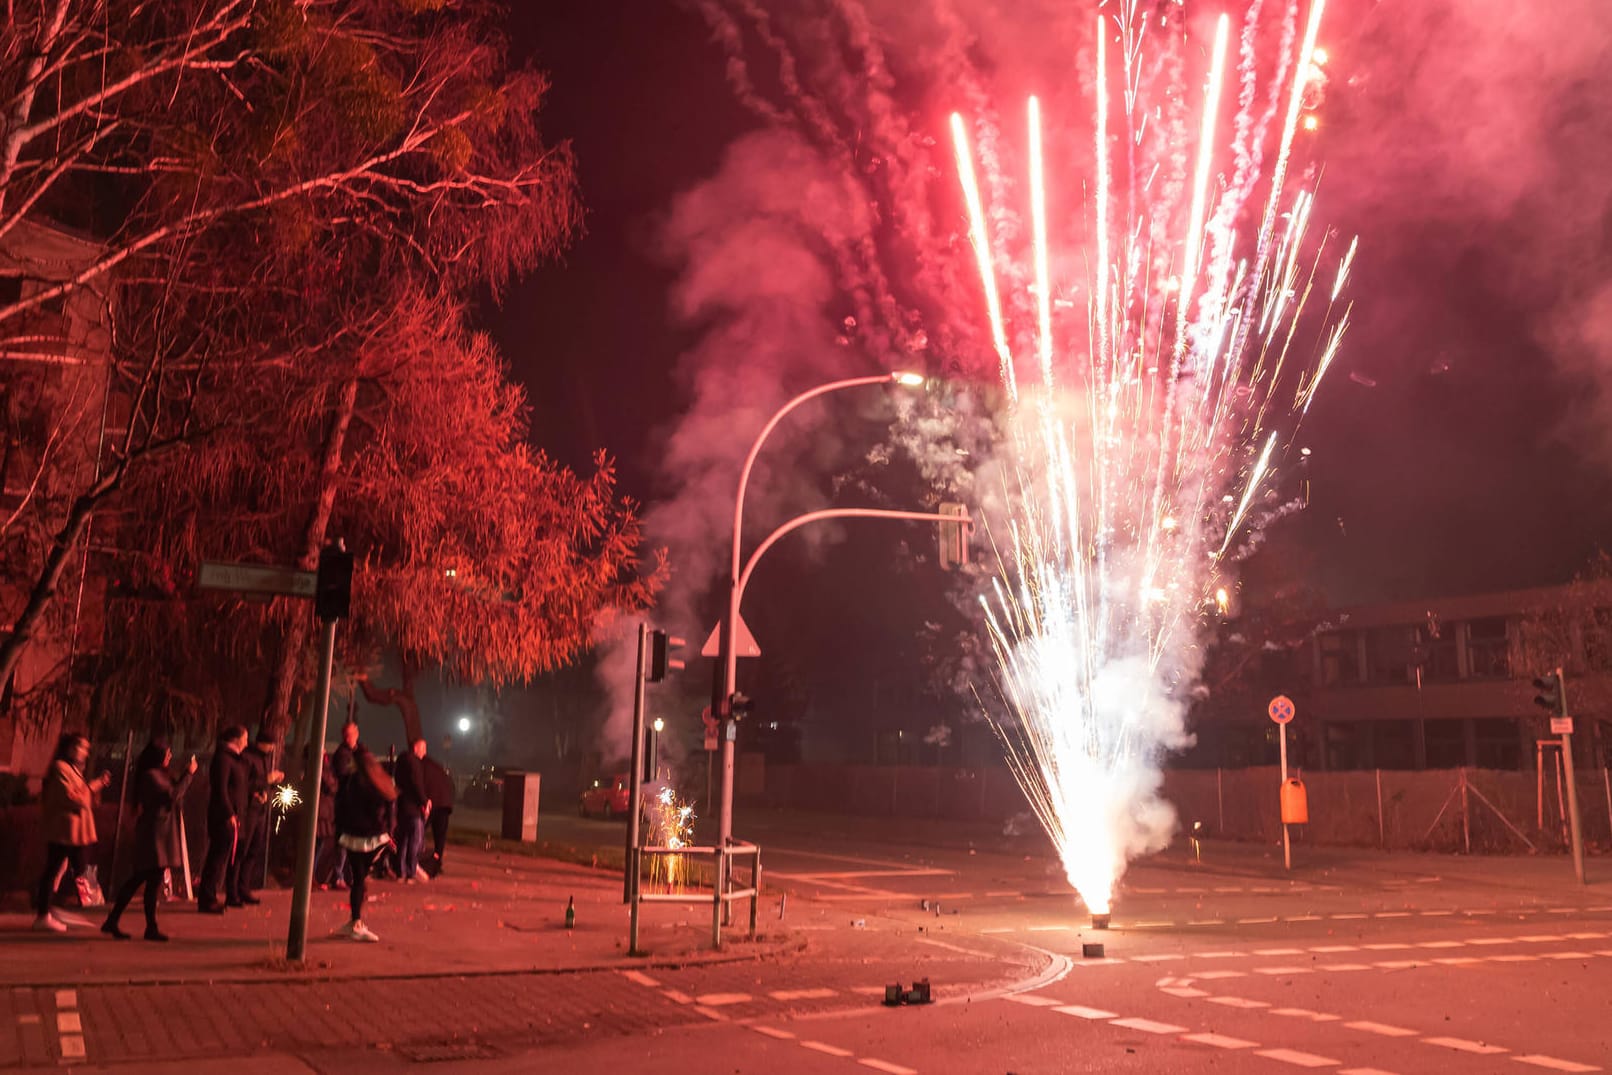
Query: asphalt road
(1355,962)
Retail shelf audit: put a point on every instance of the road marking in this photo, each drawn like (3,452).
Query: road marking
(641,978)
(1492,940)
(1517,957)
(1238,1002)
(1349,916)
(1154,959)
(711,1013)
(1219,1041)
(1212,975)
(1147,1026)
(1553,1063)
(1293,1056)
(1000,929)
(66,998)
(1306,1013)
(678,996)
(1392,914)
(1437,914)
(1344,966)
(1218,955)
(1207,922)
(1032,999)
(1003,892)
(1458,961)
(1278,951)
(774,1032)
(1381,1028)
(1465,1046)
(1150,925)
(1567,955)
(824,1047)
(68,1023)
(1083,1012)
(1385,946)
(1255,921)
(868,990)
(1281,970)
(1440,944)
(884,1065)
(1183,991)
(802,994)
(1585,936)
(28,1019)
(1541,938)
(1303,918)
(72,1047)
(1400,964)
(1365,1071)
(1235,888)
(1047,929)
(1329,948)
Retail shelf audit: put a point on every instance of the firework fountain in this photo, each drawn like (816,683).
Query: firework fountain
(1154,425)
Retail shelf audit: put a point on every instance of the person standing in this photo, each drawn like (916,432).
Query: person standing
(439,789)
(226,802)
(251,850)
(413,807)
(342,766)
(156,836)
(67,806)
(362,807)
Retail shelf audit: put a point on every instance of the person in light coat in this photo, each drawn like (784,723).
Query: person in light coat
(67,805)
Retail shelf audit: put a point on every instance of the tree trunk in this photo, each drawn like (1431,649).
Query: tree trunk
(403,698)
(50,575)
(277,708)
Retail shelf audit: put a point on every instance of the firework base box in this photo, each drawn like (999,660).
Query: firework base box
(895,996)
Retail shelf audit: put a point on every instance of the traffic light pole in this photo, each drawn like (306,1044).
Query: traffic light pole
(1572,807)
(296,941)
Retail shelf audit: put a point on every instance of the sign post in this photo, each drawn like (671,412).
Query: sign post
(1281,711)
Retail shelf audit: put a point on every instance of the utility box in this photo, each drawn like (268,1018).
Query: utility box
(1295,802)
(520,805)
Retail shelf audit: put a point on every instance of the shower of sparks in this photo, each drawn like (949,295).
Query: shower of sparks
(1145,449)
(285,799)
(671,825)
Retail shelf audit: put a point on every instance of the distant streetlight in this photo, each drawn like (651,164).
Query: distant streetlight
(464,725)
(654,748)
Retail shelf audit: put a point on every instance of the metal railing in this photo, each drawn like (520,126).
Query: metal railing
(722,892)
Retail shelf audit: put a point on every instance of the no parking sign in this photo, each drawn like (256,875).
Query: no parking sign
(1281,709)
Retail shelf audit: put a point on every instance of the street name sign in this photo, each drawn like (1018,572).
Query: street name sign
(1561,725)
(257,578)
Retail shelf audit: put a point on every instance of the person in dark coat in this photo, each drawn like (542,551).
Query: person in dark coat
(413,807)
(439,789)
(362,809)
(252,848)
(226,802)
(325,827)
(342,766)
(156,836)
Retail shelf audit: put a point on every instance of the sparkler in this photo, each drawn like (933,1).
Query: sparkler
(285,798)
(1142,453)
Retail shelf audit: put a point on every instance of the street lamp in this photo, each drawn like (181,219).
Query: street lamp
(654,748)
(464,725)
(727,653)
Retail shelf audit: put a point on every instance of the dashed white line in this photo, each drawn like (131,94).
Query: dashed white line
(885,1065)
(1327,948)
(1213,975)
(1275,971)
(802,994)
(1440,944)
(1553,1063)
(1278,951)
(1465,1046)
(1365,1071)
(1381,1028)
(1155,959)
(1183,991)
(1342,917)
(1080,1011)
(1147,1026)
(774,1032)
(678,996)
(1219,1041)
(1032,999)
(1385,946)
(1392,914)
(72,1047)
(641,978)
(1238,1002)
(711,1013)
(66,998)
(825,1048)
(1344,966)
(1255,921)
(1294,1056)
(717,1000)
(1306,1013)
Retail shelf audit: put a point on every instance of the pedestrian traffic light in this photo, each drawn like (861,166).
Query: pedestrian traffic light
(661,647)
(1552,696)
(954,536)
(738,705)
(333,586)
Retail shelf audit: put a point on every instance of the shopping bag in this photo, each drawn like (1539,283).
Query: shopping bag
(89,889)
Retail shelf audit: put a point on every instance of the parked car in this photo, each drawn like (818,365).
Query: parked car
(607,799)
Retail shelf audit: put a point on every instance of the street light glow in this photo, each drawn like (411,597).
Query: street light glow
(464,724)
(660,725)
(908,378)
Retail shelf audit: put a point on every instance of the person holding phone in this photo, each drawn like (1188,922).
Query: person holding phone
(67,804)
(156,836)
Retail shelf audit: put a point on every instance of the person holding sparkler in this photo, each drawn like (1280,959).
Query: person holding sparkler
(252,851)
(157,849)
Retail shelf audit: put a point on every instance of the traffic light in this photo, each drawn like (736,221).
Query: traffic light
(661,647)
(1552,696)
(738,705)
(333,587)
(954,537)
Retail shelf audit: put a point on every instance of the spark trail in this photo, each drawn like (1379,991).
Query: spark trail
(1152,431)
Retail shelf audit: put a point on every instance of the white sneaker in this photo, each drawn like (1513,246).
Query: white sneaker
(361,932)
(48,924)
(346,928)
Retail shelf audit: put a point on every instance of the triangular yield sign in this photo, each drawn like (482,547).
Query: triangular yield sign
(744,643)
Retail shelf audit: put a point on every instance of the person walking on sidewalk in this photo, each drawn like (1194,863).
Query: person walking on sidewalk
(413,807)
(362,807)
(156,836)
(226,801)
(67,806)
(439,789)
(252,848)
